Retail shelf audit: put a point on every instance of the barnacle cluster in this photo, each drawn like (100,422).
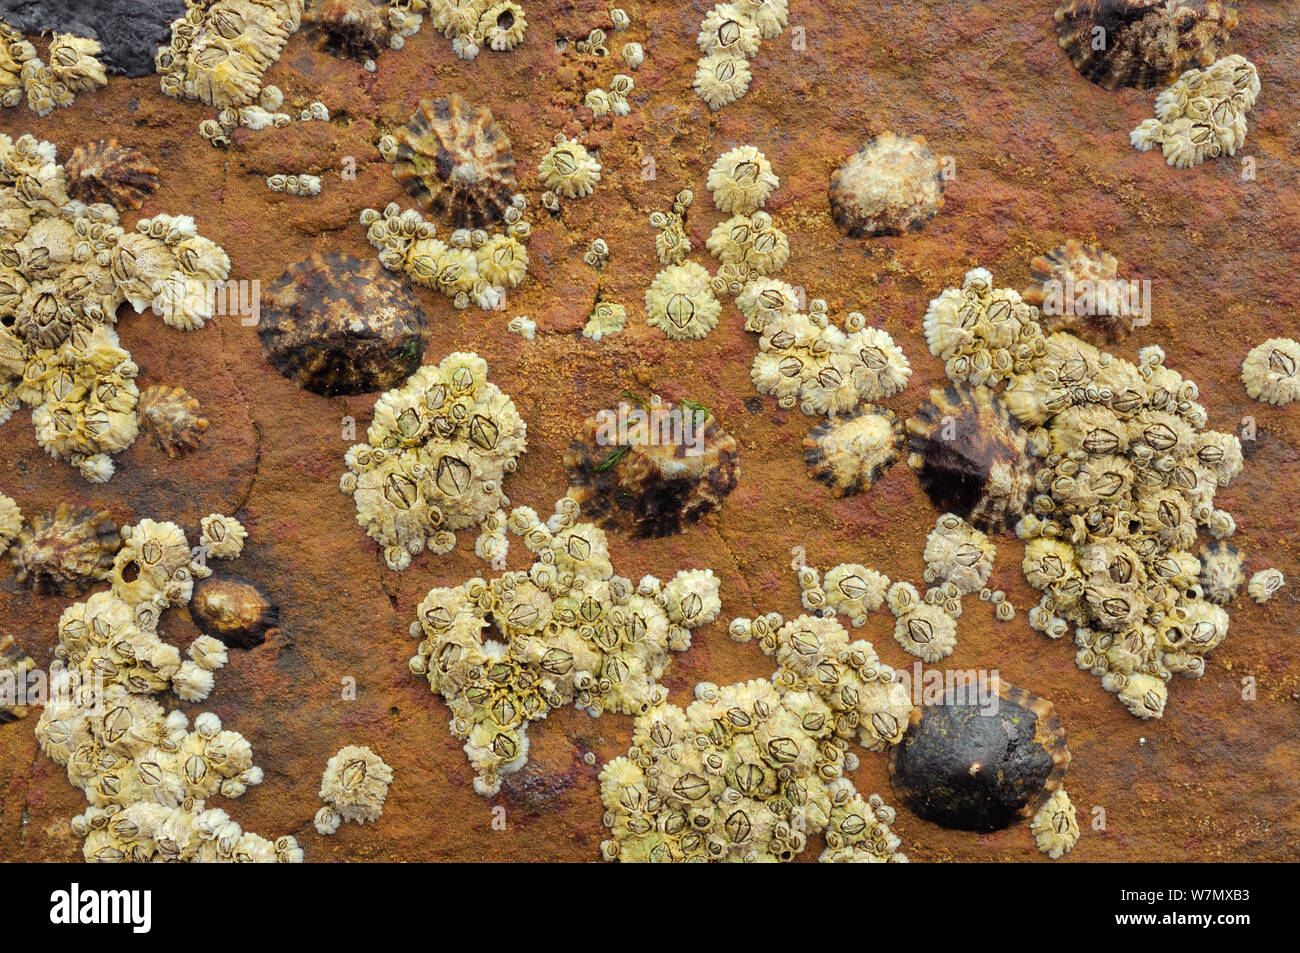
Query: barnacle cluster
(614,100)
(1056,827)
(893,184)
(1142,42)
(439,448)
(221,49)
(852,451)
(1203,115)
(66,551)
(1122,475)
(806,361)
(750,771)
(671,464)
(172,418)
(1078,289)
(471,267)
(1271,371)
(748,247)
(294,184)
(73,68)
(567,629)
(147,774)
(730,34)
(672,244)
(65,269)
(353,787)
(474,24)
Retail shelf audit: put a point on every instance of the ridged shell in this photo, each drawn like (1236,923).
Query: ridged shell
(14,666)
(651,490)
(1079,262)
(457,162)
(1146,42)
(971,457)
(852,452)
(66,551)
(335,324)
(171,417)
(107,171)
(961,768)
(892,185)
(230,608)
(355,28)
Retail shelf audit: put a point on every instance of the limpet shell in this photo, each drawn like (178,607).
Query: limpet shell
(892,185)
(851,452)
(109,172)
(66,551)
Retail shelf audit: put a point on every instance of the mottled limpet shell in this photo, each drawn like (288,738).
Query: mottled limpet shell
(963,767)
(66,551)
(971,457)
(171,417)
(230,608)
(335,324)
(107,171)
(1146,42)
(893,184)
(1082,266)
(851,452)
(354,28)
(646,489)
(457,162)
(1222,575)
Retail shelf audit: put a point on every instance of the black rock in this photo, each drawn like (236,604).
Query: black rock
(130,31)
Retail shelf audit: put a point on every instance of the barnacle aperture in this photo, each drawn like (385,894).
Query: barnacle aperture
(851,452)
(673,465)
(971,456)
(1142,42)
(457,162)
(967,767)
(335,324)
(66,551)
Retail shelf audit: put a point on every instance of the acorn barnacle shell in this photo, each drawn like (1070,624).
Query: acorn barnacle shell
(107,171)
(965,768)
(680,302)
(66,551)
(1271,371)
(457,162)
(971,456)
(851,452)
(1073,268)
(171,416)
(893,184)
(648,485)
(11,523)
(355,784)
(1142,43)
(334,324)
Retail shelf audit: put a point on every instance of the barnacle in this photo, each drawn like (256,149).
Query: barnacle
(957,552)
(339,325)
(893,184)
(152,565)
(439,448)
(606,318)
(850,453)
(457,161)
(672,244)
(74,63)
(171,416)
(1202,115)
(741,181)
(294,184)
(1078,289)
(1145,43)
(729,35)
(222,536)
(11,523)
(680,302)
(14,680)
(1271,371)
(1221,576)
(722,78)
(633,55)
(569,631)
(1055,827)
(751,241)
(568,169)
(805,361)
(971,457)
(66,551)
(106,171)
(355,784)
(854,590)
(670,465)
(990,754)
(502,26)
(926,631)
(1265,584)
